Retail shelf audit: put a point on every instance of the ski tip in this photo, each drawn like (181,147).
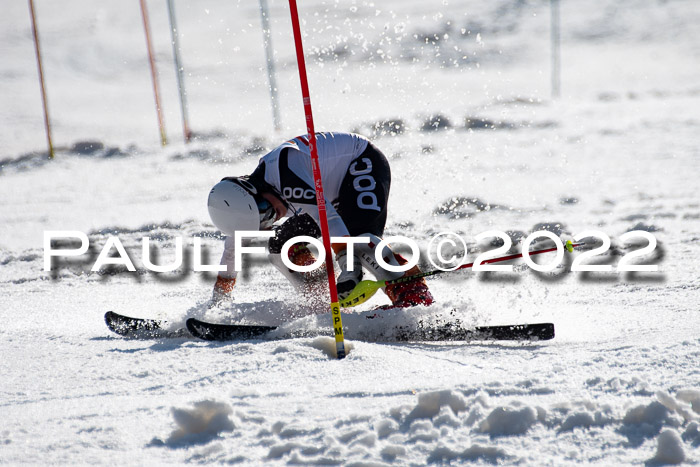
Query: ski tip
(108,321)
(112,322)
(192,325)
(569,246)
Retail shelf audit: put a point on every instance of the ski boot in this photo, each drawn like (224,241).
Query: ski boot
(411,293)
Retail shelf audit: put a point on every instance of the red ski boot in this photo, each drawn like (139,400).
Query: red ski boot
(410,293)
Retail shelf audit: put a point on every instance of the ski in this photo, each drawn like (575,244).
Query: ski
(454,332)
(448,332)
(139,328)
(225,332)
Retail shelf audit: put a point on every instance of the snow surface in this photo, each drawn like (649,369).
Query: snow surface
(483,147)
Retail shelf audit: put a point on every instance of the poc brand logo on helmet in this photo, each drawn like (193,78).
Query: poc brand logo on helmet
(239,188)
(243,183)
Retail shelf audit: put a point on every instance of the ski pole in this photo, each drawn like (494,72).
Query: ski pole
(365,289)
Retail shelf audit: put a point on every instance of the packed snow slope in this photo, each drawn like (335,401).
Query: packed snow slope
(457,95)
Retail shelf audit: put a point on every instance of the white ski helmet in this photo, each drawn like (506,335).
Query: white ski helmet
(234,204)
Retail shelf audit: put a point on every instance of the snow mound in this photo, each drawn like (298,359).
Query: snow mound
(392,451)
(684,403)
(474,453)
(504,421)
(577,420)
(279,450)
(655,413)
(445,426)
(692,434)
(386,427)
(647,421)
(669,449)
(202,423)
(692,397)
(430,403)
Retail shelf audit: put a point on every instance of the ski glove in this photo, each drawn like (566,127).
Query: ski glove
(347,280)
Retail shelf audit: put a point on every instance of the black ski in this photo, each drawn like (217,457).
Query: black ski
(225,332)
(153,329)
(448,332)
(139,328)
(454,332)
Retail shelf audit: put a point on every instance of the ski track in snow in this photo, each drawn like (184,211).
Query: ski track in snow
(457,97)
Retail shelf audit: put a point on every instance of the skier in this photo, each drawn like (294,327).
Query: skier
(356,181)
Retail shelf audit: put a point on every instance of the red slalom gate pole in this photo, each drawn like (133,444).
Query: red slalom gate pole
(154,73)
(47,123)
(320,198)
